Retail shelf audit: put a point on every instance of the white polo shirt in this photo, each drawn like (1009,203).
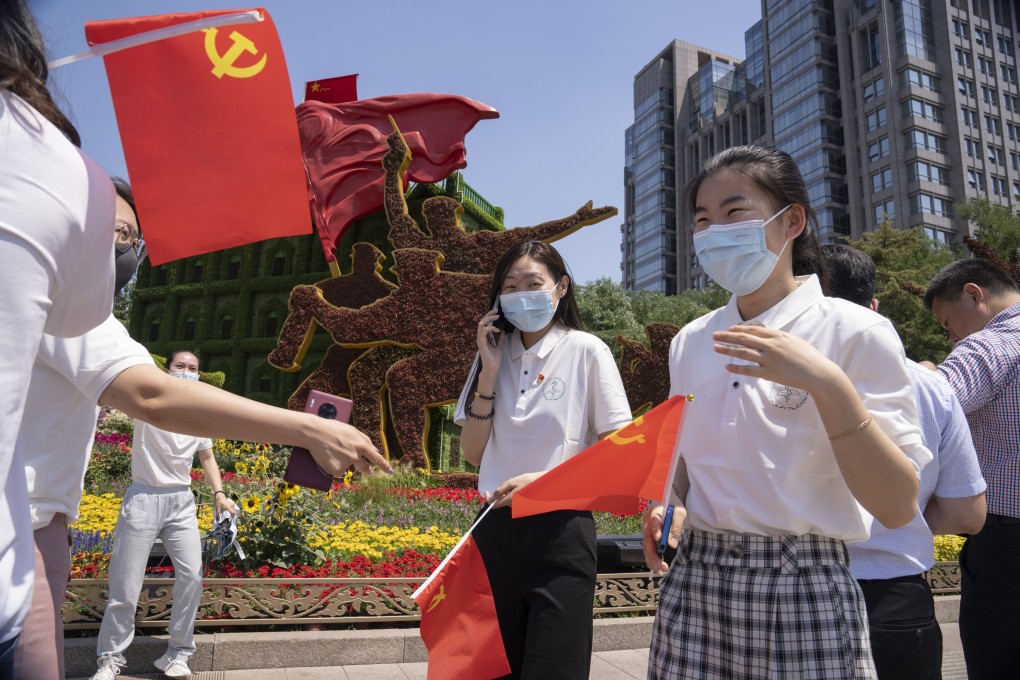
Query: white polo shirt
(55,441)
(163,459)
(757,454)
(552,401)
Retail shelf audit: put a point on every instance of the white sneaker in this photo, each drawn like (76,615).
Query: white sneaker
(172,668)
(108,669)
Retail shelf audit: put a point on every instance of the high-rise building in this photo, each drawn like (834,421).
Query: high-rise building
(893,110)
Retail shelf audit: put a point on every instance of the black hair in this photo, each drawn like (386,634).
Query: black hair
(851,273)
(543,253)
(775,173)
(124,191)
(948,284)
(23,68)
(171,355)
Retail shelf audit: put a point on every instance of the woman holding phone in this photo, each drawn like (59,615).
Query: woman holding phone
(802,429)
(544,390)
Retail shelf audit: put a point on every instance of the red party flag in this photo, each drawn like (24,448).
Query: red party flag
(458,619)
(614,474)
(210,140)
(344,144)
(333,90)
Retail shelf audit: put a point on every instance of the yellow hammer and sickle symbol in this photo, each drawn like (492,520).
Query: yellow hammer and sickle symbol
(223,65)
(439,597)
(623,441)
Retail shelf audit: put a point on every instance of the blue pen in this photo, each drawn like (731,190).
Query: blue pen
(667,521)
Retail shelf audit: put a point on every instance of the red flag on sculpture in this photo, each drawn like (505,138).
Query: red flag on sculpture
(458,619)
(210,140)
(614,474)
(344,144)
(333,90)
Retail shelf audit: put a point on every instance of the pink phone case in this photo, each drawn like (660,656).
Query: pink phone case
(302,468)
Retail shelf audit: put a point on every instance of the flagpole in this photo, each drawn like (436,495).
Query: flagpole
(453,552)
(137,39)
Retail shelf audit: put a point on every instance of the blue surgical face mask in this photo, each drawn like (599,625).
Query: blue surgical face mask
(186,376)
(736,255)
(529,311)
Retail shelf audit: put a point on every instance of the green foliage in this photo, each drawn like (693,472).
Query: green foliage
(679,309)
(605,308)
(905,261)
(113,421)
(122,303)
(609,310)
(276,527)
(998,226)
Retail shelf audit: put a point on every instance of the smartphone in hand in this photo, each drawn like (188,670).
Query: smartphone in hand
(499,324)
(302,468)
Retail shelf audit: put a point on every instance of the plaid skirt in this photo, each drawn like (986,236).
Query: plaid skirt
(745,606)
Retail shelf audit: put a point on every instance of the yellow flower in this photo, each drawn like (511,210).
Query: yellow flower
(251,503)
(240,468)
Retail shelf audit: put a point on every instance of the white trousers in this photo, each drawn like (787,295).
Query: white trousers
(147,513)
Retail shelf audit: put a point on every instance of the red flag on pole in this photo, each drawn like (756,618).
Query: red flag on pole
(458,619)
(207,123)
(333,90)
(344,144)
(613,474)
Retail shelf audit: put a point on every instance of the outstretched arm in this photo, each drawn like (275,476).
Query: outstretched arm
(556,229)
(404,232)
(353,326)
(201,410)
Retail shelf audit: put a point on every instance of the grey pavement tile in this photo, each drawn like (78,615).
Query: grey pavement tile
(317,673)
(603,670)
(380,671)
(415,671)
(632,661)
(255,674)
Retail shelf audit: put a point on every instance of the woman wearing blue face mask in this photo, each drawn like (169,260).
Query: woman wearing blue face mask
(802,429)
(544,391)
(159,504)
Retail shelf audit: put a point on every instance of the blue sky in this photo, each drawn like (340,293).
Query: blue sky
(560,72)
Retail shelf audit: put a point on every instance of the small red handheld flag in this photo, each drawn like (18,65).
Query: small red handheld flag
(614,474)
(458,619)
(209,134)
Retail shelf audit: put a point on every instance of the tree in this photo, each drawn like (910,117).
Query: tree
(905,261)
(650,307)
(122,302)
(605,308)
(998,226)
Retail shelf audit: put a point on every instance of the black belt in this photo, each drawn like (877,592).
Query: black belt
(993,520)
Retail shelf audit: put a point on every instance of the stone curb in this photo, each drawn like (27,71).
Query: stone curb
(295,649)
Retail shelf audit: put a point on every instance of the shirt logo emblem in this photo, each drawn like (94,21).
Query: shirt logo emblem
(787,398)
(553,389)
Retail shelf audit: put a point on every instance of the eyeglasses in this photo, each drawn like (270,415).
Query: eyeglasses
(126,230)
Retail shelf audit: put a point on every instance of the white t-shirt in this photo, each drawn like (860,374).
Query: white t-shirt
(552,402)
(56,234)
(757,454)
(55,440)
(163,459)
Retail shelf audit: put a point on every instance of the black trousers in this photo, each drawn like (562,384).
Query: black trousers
(990,600)
(542,570)
(906,641)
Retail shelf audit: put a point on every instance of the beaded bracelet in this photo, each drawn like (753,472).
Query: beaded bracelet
(472,414)
(486,398)
(849,432)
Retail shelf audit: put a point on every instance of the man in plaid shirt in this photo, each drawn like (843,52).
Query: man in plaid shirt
(979,305)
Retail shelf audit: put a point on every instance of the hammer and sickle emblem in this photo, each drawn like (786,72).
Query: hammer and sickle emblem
(223,65)
(437,598)
(639,438)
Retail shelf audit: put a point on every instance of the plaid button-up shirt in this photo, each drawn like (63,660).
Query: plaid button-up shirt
(984,370)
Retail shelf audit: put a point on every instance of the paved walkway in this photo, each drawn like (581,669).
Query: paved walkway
(620,665)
